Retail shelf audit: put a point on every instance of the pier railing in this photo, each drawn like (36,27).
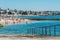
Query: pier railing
(52,30)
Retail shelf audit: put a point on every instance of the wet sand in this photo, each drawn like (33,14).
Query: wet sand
(29,38)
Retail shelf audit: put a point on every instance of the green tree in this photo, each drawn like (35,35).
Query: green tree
(24,13)
(9,13)
(1,25)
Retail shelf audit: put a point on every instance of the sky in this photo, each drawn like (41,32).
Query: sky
(34,5)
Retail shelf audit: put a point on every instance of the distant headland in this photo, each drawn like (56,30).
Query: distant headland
(21,12)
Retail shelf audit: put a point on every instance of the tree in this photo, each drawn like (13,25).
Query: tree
(1,25)
(9,12)
(15,11)
(24,13)
(30,12)
(35,13)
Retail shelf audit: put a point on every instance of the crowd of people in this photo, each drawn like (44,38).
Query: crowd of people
(13,21)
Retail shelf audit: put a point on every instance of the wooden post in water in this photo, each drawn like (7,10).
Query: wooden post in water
(45,31)
(42,29)
(49,30)
(54,30)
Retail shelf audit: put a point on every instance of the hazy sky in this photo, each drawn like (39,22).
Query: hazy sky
(37,5)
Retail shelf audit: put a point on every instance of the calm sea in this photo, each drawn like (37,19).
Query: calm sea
(34,27)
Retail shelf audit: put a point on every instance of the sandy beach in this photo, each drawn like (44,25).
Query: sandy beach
(19,37)
(29,38)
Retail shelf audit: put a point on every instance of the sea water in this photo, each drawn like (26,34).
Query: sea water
(44,16)
(34,26)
